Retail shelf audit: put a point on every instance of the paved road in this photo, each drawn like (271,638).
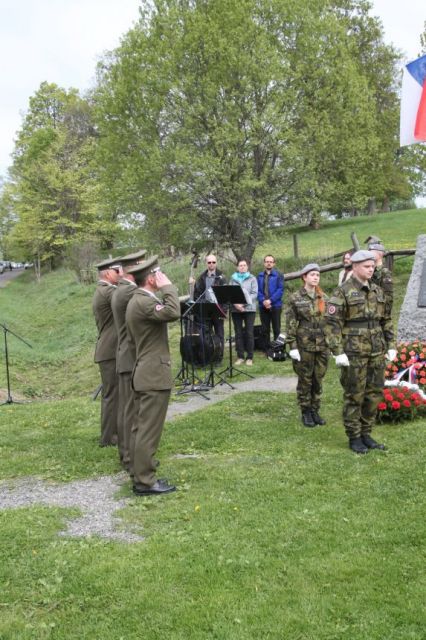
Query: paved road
(8,275)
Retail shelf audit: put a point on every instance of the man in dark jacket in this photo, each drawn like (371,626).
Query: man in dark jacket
(211,276)
(270,296)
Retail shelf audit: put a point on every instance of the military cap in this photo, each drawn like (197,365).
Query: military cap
(133,258)
(144,268)
(109,263)
(312,266)
(362,255)
(376,246)
(372,239)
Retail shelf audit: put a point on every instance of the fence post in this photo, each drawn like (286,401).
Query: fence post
(295,246)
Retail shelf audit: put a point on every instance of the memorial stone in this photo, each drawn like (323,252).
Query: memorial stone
(412,317)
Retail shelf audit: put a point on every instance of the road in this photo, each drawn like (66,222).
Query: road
(8,275)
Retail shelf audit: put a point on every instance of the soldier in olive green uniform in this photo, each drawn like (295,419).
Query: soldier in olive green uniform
(361,337)
(305,326)
(382,276)
(146,319)
(106,347)
(125,358)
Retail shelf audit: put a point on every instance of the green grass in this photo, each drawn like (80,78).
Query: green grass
(276,532)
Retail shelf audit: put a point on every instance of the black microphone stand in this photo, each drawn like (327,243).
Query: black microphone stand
(9,399)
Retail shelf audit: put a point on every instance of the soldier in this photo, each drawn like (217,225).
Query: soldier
(146,320)
(360,333)
(125,358)
(309,352)
(106,347)
(382,276)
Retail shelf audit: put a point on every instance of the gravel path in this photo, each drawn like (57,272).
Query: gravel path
(95,497)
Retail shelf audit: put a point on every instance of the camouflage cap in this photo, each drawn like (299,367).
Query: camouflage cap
(109,263)
(376,246)
(312,266)
(143,268)
(362,255)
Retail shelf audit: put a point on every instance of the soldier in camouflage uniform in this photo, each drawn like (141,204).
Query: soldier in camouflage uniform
(382,276)
(360,335)
(309,352)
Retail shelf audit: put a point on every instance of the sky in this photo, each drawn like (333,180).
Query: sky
(60,41)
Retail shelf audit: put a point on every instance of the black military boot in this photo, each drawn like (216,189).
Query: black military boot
(372,444)
(316,417)
(357,445)
(307,418)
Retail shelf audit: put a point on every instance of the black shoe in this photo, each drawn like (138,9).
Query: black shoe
(358,446)
(307,418)
(316,417)
(159,487)
(372,444)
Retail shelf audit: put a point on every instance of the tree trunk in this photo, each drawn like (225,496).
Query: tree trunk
(371,206)
(385,205)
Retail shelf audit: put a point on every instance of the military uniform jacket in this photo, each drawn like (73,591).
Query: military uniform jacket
(106,345)
(120,299)
(146,320)
(382,276)
(305,325)
(358,320)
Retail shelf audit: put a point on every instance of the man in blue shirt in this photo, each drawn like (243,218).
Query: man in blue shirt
(270,295)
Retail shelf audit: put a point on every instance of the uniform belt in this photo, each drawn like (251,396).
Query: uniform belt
(362,324)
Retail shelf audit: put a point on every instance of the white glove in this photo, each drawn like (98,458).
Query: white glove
(391,354)
(342,360)
(294,354)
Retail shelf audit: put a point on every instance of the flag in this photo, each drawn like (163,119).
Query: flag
(413,103)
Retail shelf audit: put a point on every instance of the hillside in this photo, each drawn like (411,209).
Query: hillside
(55,316)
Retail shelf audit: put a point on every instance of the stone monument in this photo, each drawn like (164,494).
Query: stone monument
(412,317)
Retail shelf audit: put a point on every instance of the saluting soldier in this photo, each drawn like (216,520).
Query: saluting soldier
(361,338)
(382,276)
(147,317)
(106,348)
(305,326)
(125,357)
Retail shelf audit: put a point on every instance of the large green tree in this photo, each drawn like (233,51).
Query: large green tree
(54,190)
(217,118)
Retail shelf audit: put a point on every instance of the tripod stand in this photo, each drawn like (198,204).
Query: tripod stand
(9,399)
(231,294)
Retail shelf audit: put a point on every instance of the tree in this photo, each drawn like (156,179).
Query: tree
(218,119)
(53,185)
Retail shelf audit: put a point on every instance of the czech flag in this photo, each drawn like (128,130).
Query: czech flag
(413,103)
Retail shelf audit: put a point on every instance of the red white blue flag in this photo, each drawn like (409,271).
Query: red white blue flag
(413,103)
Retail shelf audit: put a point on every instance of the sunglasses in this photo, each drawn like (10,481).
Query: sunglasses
(211,261)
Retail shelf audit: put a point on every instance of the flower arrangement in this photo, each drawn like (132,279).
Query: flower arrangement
(409,363)
(400,403)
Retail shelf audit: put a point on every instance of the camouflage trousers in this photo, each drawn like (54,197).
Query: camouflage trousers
(362,384)
(310,372)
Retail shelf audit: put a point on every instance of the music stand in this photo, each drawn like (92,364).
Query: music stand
(183,373)
(9,399)
(230,294)
(209,311)
(187,320)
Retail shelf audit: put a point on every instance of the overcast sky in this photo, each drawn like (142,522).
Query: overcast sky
(60,41)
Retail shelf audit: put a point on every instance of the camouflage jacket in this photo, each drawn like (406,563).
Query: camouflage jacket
(305,325)
(358,320)
(382,276)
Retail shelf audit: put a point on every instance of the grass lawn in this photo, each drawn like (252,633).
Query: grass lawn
(276,532)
